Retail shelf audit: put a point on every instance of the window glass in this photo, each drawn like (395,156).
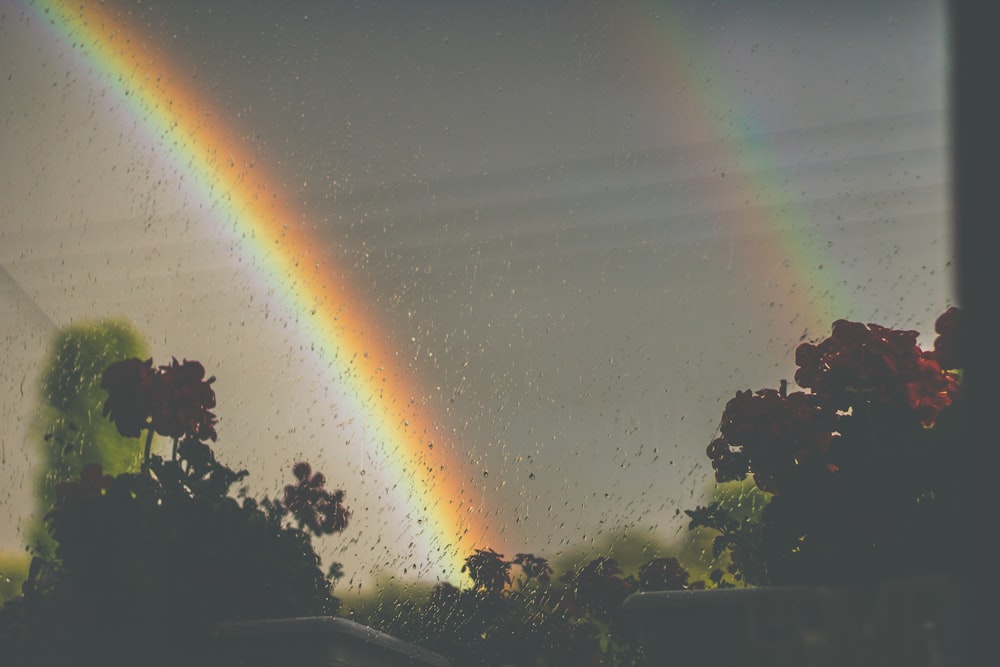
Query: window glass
(495,268)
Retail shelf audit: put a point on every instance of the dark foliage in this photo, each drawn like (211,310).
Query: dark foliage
(488,570)
(663,574)
(866,470)
(533,567)
(312,505)
(598,588)
(739,537)
(173,400)
(516,615)
(148,563)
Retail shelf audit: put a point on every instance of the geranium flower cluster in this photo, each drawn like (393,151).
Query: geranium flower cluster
(313,506)
(860,374)
(174,400)
(771,435)
(871,365)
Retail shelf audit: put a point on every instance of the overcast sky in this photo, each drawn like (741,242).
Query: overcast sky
(584,227)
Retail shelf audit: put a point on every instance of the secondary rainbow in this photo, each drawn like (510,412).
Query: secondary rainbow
(786,267)
(215,160)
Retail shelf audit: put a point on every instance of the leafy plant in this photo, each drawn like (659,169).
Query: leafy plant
(739,538)
(149,562)
(861,469)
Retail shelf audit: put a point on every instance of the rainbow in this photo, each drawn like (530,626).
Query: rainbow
(404,434)
(276,235)
(786,264)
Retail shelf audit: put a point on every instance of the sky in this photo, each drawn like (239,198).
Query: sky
(564,233)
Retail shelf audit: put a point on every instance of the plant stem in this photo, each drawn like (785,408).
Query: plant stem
(149,445)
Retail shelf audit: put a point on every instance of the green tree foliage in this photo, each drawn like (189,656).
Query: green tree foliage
(13,572)
(69,430)
(630,548)
(723,536)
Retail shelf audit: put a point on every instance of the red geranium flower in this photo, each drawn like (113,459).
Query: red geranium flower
(859,366)
(182,401)
(129,385)
(322,511)
(931,391)
(770,434)
(730,462)
(174,400)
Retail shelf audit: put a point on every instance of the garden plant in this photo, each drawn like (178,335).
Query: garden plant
(147,563)
(859,480)
(865,471)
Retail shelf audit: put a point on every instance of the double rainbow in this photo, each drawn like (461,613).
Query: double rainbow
(277,235)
